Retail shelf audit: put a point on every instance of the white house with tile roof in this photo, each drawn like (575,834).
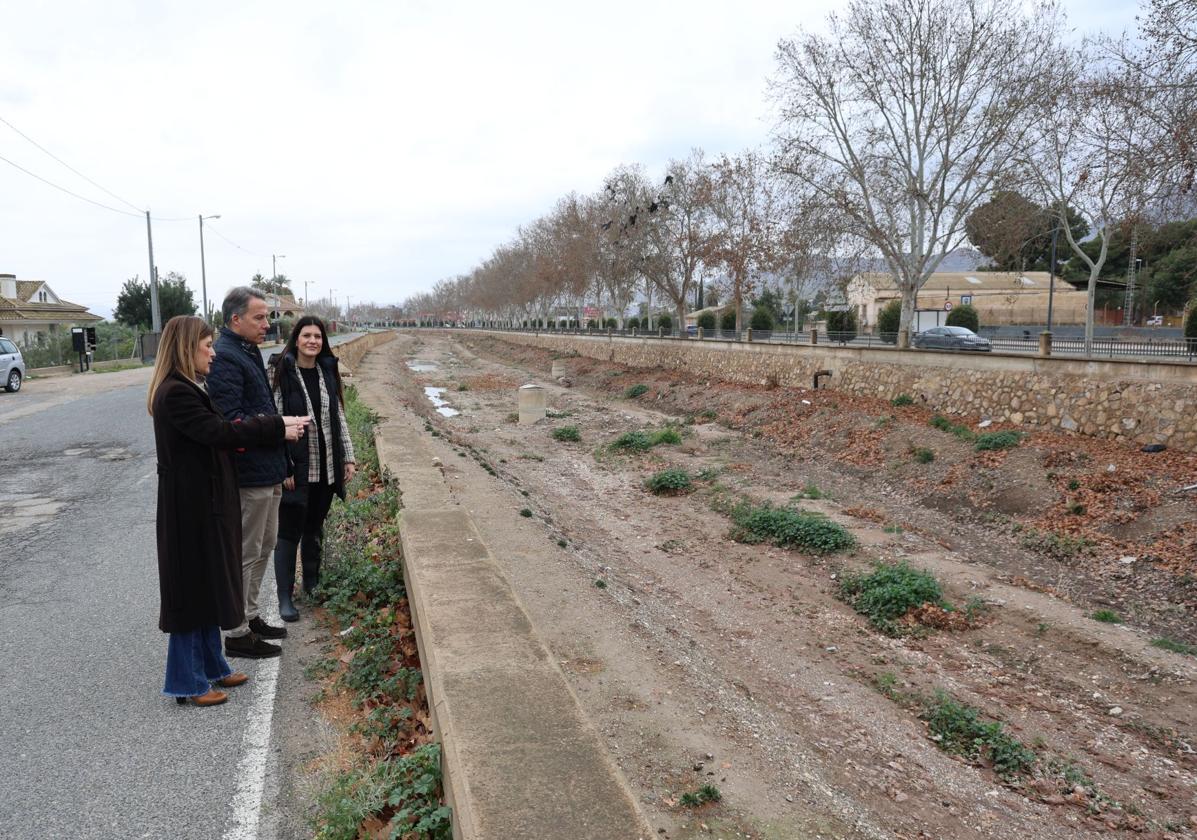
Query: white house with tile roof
(30,311)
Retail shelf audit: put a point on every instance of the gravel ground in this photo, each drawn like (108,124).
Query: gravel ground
(702,659)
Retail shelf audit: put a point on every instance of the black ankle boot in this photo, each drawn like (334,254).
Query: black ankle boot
(310,554)
(284,576)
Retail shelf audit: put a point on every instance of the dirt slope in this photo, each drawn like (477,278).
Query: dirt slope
(705,660)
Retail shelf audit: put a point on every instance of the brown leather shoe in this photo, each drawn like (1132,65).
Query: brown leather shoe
(212,698)
(234,679)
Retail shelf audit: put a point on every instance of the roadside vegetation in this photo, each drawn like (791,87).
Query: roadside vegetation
(393,788)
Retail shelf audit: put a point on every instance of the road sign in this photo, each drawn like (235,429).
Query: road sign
(966,300)
(947,306)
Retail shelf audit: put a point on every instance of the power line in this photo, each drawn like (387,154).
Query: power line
(68,166)
(212,228)
(140,211)
(69,192)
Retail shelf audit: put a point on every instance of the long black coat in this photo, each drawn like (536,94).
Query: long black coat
(291,389)
(199,506)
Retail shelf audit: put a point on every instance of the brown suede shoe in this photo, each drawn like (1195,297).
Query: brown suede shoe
(212,698)
(234,679)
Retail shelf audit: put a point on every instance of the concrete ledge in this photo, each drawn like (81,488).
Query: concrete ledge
(521,760)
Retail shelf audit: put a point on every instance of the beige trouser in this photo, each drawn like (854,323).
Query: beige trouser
(259,530)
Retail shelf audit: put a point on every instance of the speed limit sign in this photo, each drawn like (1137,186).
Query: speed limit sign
(947,306)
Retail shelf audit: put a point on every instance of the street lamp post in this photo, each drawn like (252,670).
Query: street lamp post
(274,258)
(1051,282)
(203,268)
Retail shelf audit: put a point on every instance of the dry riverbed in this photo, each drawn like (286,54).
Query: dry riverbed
(707,661)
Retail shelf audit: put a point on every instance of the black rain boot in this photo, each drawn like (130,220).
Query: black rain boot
(310,555)
(284,576)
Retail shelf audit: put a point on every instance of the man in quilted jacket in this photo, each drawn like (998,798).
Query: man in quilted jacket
(240,388)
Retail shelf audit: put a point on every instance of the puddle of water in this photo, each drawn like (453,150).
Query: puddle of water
(421,366)
(440,403)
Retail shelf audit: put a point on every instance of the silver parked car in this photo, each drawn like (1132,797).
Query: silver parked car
(951,338)
(12,365)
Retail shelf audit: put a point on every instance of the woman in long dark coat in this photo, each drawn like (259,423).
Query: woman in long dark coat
(199,511)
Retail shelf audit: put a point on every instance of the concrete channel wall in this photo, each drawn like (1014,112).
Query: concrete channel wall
(351,353)
(1132,401)
(521,760)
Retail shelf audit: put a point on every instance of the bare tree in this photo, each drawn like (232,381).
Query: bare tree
(817,246)
(1092,151)
(674,230)
(907,114)
(746,242)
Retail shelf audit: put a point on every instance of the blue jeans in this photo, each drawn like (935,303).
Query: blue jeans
(194,661)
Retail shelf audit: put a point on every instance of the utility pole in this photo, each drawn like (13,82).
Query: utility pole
(203,268)
(155,312)
(1051,282)
(274,258)
(305,296)
(1128,304)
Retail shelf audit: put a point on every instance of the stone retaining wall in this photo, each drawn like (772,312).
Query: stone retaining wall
(1140,402)
(350,353)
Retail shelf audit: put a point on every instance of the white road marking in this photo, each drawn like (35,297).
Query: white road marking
(251,769)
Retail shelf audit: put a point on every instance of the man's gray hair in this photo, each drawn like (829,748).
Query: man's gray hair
(236,302)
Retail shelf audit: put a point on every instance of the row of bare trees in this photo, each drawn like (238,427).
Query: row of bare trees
(892,127)
(731,221)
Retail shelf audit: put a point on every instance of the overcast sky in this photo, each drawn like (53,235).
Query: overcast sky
(380,146)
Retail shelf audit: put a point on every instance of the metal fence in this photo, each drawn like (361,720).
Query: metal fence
(1184,350)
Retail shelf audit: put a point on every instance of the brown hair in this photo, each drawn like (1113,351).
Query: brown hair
(176,351)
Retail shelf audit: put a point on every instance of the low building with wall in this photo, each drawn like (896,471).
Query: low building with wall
(1139,402)
(1000,297)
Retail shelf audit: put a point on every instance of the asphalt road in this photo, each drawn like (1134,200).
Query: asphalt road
(90,747)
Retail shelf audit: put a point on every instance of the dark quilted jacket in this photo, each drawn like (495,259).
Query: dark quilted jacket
(239,389)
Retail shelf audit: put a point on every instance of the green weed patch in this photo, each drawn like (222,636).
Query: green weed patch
(1057,544)
(672,482)
(945,425)
(567,434)
(705,794)
(961,729)
(642,440)
(403,792)
(889,592)
(637,390)
(992,441)
(1175,646)
(788,528)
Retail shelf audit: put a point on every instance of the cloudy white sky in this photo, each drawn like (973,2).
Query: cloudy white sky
(380,146)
